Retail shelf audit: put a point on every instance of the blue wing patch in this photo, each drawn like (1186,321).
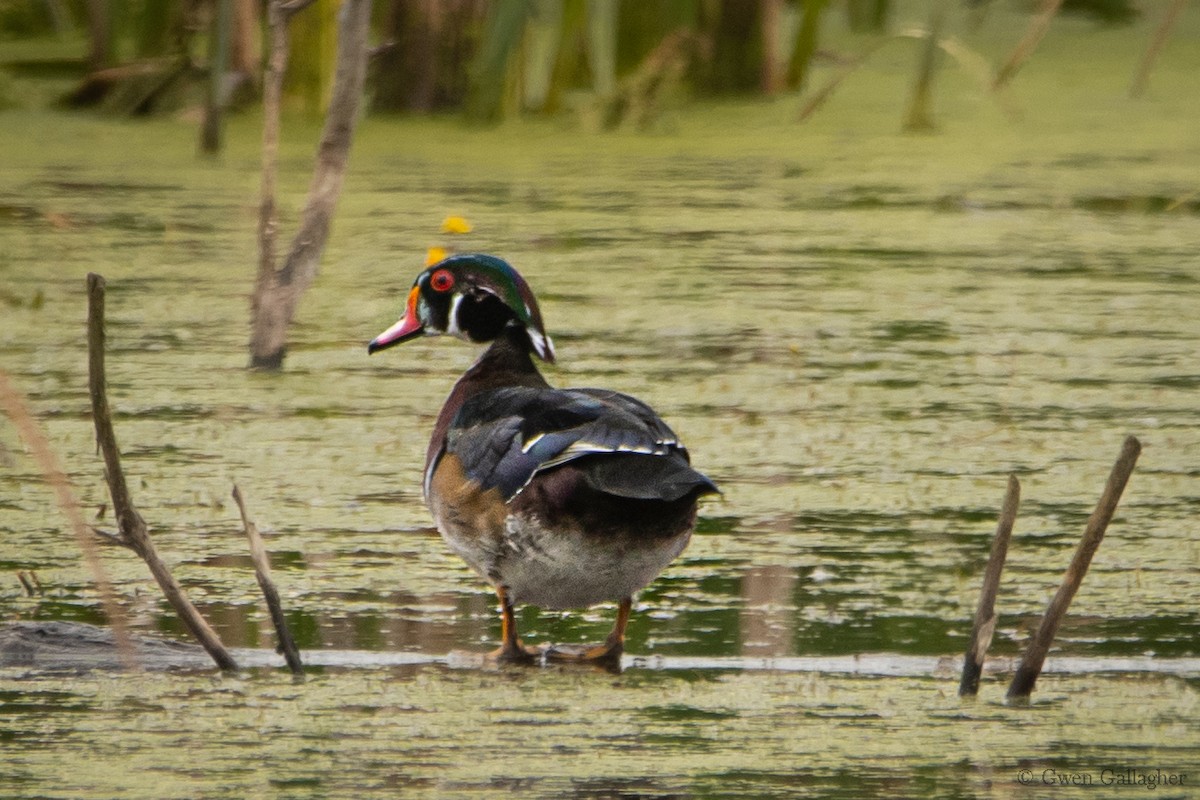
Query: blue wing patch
(504,437)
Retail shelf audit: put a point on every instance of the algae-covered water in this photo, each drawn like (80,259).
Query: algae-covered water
(858,333)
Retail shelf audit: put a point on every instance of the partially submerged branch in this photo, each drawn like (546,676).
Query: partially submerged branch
(262,571)
(133,531)
(985,613)
(1035,655)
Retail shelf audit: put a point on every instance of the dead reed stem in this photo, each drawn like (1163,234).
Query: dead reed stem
(31,433)
(985,613)
(1161,34)
(262,571)
(1029,42)
(816,98)
(133,531)
(1035,654)
(920,113)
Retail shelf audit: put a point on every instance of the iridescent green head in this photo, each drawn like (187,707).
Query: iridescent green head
(472,296)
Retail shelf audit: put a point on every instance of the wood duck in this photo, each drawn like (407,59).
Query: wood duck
(559,498)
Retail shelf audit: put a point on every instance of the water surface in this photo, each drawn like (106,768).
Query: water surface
(859,336)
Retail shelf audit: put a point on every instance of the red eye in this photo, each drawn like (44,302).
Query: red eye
(441,281)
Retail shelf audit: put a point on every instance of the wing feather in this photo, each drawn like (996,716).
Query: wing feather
(505,437)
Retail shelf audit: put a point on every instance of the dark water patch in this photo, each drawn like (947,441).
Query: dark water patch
(1157,636)
(1085,382)
(856,521)
(685,713)
(282,560)
(329,412)
(896,383)
(1096,159)
(13,212)
(1176,381)
(967,516)
(896,255)
(107,188)
(43,702)
(717,203)
(573,241)
(717,525)
(130,222)
(1058,269)
(485,192)
(732,174)
(169,453)
(620,199)
(1139,204)
(395,498)
(34,300)
(694,236)
(174,411)
(913,330)
(540,200)
(862,631)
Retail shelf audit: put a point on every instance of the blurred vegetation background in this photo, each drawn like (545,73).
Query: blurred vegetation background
(605,63)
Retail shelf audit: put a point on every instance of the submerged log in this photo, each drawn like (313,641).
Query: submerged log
(53,646)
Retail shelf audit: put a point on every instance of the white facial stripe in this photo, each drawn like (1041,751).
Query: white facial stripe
(540,343)
(452,324)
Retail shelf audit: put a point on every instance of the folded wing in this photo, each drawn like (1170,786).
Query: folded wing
(505,437)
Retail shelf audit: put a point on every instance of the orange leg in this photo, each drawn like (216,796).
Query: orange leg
(610,651)
(510,649)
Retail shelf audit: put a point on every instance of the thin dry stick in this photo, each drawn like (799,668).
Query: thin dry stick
(133,531)
(1035,654)
(817,98)
(920,115)
(1028,43)
(985,614)
(1142,78)
(262,571)
(18,411)
(26,583)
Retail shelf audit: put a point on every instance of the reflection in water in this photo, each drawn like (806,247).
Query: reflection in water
(768,614)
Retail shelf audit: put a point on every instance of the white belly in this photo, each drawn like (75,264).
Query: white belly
(559,570)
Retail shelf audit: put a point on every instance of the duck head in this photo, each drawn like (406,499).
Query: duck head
(472,296)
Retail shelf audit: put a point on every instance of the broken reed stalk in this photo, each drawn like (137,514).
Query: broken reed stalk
(1029,42)
(1035,654)
(920,114)
(817,98)
(26,584)
(985,613)
(133,531)
(262,571)
(278,288)
(27,427)
(1161,34)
